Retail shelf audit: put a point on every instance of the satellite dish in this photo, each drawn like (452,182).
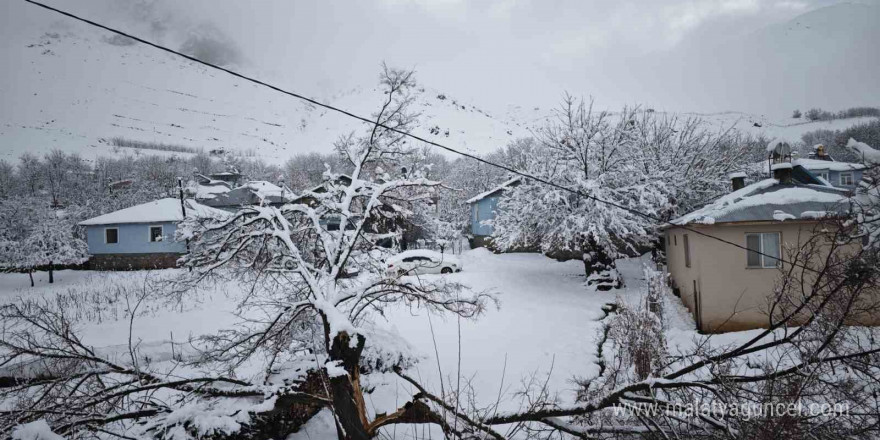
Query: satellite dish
(782,150)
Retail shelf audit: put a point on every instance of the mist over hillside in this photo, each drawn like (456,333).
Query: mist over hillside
(77,87)
(825,58)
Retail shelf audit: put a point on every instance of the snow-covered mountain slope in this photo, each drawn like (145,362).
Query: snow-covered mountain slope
(784,128)
(73,87)
(826,57)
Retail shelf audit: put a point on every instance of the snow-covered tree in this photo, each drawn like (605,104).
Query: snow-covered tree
(692,161)
(651,166)
(589,154)
(317,282)
(52,242)
(330,281)
(37,236)
(866,200)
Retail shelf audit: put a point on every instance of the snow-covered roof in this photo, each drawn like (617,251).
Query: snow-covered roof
(501,187)
(869,154)
(162,210)
(209,191)
(816,164)
(264,189)
(768,200)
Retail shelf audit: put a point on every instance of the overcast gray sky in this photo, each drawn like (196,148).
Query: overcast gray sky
(676,54)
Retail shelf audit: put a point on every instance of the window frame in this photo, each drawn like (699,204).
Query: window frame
(852,178)
(687,250)
(824,175)
(105,235)
(761,253)
(150,233)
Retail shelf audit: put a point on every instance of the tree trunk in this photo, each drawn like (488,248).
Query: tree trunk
(31,275)
(345,390)
(599,267)
(51,274)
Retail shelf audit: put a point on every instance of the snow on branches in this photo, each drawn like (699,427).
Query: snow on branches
(318,267)
(652,167)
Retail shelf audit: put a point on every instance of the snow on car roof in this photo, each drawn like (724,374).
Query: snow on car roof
(162,210)
(434,255)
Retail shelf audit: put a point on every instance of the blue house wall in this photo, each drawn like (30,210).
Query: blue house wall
(483,209)
(134,238)
(834,177)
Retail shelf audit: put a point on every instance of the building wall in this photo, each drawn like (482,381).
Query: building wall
(133,261)
(134,238)
(834,177)
(481,210)
(722,293)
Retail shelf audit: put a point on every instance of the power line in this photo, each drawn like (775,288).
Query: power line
(410,135)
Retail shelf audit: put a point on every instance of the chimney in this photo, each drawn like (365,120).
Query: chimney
(782,171)
(821,154)
(737,180)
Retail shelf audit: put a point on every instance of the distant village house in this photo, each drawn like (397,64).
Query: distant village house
(484,208)
(141,236)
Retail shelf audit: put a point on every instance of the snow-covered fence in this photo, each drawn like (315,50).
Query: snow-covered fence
(455,246)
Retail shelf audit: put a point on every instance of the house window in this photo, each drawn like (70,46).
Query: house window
(111,235)
(763,250)
(155,234)
(687,251)
(824,175)
(846,179)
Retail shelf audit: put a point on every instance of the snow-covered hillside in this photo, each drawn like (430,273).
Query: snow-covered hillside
(74,87)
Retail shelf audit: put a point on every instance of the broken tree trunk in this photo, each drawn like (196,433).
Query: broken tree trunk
(345,389)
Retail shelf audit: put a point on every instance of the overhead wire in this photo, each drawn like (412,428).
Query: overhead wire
(363,119)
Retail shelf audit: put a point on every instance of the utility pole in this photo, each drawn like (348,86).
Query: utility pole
(183,209)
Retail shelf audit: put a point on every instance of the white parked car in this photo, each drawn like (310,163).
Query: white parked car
(420,261)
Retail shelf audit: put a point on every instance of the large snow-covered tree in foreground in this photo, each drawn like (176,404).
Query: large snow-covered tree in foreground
(321,285)
(316,282)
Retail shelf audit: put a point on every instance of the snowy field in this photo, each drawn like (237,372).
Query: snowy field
(545,328)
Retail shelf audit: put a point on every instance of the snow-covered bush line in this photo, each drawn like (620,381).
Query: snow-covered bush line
(835,141)
(157,146)
(101,298)
(817,114)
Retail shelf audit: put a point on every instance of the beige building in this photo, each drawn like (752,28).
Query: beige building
(727,288)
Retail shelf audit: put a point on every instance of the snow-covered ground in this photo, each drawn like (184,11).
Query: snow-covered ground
(547,324)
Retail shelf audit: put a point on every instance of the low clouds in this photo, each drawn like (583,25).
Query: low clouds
(674,54)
